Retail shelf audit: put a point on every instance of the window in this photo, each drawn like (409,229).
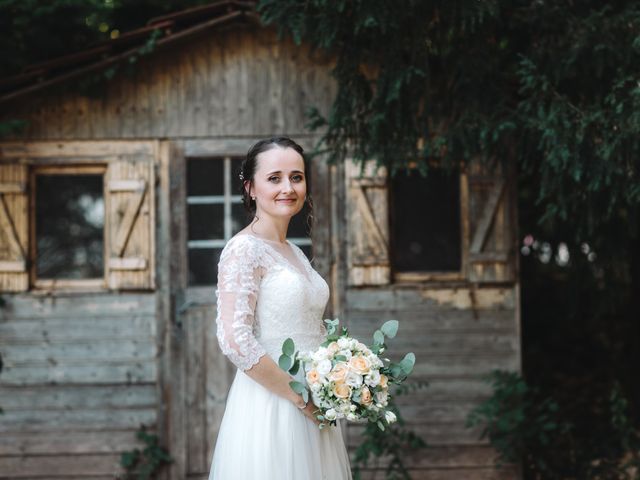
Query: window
(426,221)
(215,213)
(68,226)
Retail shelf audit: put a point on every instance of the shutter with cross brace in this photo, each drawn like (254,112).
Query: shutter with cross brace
(14,228)
(130,222)
(368,225)
(492,223)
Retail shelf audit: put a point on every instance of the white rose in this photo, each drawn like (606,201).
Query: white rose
(352,417)
(353,379)
(324,367)
(373,379)
(331,414)
(390,417)
(321,354)
(353,344)
(345,408)
(381,397)
(343,342)
(347,354)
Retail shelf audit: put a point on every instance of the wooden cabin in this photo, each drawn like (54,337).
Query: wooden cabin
(114,209)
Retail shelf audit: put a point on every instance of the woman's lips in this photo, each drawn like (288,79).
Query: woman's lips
(289,200)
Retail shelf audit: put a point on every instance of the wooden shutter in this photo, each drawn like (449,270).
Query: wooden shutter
(492,224)
(14,228)
(130,187)
(368,224)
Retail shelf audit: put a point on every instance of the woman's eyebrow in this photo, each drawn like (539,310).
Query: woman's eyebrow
(280,171)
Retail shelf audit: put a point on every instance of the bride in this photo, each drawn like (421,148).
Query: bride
(267,292)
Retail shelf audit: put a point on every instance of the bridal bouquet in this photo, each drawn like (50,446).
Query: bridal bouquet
(347,379)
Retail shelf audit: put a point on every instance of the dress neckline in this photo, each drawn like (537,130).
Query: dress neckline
(307,277)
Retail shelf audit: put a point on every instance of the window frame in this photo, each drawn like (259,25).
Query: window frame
(423,276)
(36,283)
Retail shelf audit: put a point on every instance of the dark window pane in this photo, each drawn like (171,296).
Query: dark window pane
(236,163)
(206,221)
(307,250)
(426,221)
(203,266)
(205,176)
(298,225)
(69,226)
(239,218)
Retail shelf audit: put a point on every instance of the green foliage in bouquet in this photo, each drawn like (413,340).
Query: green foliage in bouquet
(144,464)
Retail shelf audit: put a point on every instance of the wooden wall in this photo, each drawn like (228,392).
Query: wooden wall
(79,378)
(457,336)
(241,81)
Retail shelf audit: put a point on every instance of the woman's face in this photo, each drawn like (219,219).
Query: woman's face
(279,183)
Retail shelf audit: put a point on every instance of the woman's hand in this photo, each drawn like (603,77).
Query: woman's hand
(308,410)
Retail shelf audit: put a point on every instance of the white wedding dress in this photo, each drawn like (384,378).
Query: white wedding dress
(262,299)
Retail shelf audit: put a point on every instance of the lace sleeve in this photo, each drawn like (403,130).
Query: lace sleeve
(239,275)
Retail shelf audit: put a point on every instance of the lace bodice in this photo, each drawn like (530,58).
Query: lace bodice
(262,299)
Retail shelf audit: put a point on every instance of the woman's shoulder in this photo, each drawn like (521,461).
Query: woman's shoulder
(243,244)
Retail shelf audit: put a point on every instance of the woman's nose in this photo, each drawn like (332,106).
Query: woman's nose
(286,186)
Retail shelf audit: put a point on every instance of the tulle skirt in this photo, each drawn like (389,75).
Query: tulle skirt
(263,436)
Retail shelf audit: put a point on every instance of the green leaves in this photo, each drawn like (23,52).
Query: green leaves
(407,363)
(301,389)
(288,347)
(390,328)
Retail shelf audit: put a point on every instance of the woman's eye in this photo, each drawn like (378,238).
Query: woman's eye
(298,178)
(273,178)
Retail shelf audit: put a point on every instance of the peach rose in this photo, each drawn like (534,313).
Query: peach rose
(339,372)
(383,381)
(360,365)
(341,390)
(365,396)
(313,376)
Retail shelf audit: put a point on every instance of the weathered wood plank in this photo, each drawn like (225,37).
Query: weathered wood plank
(66,372)
(94,351)
(445,433)
(62,466)
(77,419)
(75,443)
(474,473)
(429,299)
(73,149)
(427,322)
(195,402)
(57,330)
(77,305)
(41,397)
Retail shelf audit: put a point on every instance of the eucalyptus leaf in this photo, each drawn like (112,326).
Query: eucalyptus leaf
(340,358)
(285,362)
(298,387)
(390,328)
(294,369)
(288,347)
(378,337)
(408,362)
(305,395)
(380,425)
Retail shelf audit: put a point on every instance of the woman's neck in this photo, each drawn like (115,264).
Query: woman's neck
(269,232)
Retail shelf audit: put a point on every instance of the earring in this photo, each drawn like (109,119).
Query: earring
(253,198)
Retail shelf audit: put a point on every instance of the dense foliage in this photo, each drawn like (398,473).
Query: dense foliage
(35,30)
(555,88)
(552,84)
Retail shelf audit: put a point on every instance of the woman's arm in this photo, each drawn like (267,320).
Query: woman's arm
(239,274)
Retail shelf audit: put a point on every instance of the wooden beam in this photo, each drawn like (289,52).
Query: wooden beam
(489,211)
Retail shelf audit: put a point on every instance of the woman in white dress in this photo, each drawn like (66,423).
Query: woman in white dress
(267,292)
